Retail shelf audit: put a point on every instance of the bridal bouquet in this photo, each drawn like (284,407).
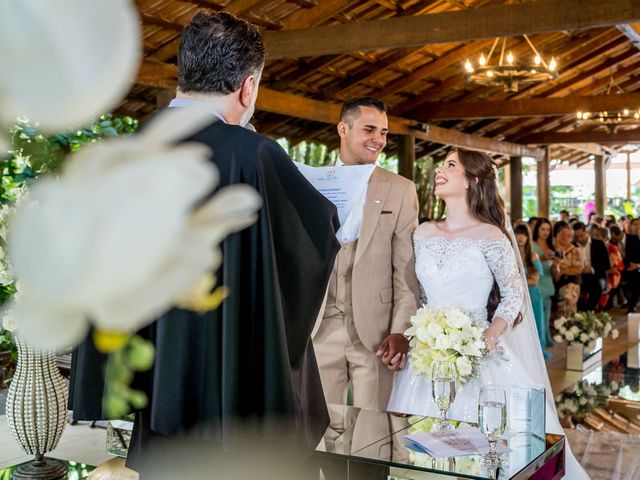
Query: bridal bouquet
(449,334)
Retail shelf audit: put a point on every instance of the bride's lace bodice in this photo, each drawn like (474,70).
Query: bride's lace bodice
(461,272)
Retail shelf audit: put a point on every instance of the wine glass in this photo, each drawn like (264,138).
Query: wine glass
(443,389)
(492,417)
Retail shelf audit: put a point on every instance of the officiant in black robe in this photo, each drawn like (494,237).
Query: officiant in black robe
(250,361)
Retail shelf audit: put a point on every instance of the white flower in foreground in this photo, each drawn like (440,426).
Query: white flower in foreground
(116,240)
(66,61)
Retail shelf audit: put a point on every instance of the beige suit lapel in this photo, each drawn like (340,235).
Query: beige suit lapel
(376,194)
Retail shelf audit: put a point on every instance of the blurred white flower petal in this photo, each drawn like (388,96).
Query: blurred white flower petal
(232,209)
(121,235)
(69,60)
(175,124)
(44,327)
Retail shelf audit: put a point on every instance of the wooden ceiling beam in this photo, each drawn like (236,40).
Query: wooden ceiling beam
(530,107)
(323,11)
(154,74)
(459,26)
(587,136)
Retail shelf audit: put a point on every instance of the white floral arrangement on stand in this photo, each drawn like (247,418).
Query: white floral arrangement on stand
(583,398)
(584,328)
(445,334)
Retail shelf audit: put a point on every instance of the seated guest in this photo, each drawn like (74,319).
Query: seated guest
(543,247)
(534,271)
(567,271)
(632,264)
(614,274)
(594,275)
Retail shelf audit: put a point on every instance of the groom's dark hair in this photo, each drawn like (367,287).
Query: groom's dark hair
(218,51)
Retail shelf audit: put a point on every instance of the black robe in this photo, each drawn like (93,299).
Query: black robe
(250,360)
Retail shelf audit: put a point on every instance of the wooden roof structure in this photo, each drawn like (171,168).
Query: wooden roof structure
(410,54)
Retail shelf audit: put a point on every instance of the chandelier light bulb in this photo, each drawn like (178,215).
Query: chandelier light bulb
(537,60)
(626,112)
(490,73)
(552,64)
(637,115)
(482,60)
(579,114)
(510,58)
(468,66)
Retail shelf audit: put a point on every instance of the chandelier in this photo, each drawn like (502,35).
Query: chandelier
(508,72)
(610,119)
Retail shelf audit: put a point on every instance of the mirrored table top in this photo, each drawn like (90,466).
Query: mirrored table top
(374,437)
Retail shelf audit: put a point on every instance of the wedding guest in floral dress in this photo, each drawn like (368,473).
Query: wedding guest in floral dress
(566,273)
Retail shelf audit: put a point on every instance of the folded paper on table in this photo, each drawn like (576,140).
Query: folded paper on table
(452,443)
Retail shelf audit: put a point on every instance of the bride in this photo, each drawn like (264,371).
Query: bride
(468,261)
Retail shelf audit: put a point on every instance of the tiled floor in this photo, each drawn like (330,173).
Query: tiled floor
(87,445)
(79,442)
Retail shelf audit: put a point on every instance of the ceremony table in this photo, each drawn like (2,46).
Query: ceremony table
(365,444)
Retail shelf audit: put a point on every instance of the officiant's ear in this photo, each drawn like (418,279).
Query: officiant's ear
(248,90)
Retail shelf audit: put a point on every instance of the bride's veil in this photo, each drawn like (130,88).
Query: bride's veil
(524,339)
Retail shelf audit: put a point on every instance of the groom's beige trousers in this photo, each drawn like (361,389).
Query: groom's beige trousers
(341,356)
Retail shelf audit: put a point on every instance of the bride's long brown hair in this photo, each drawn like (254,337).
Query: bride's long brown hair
(485,204)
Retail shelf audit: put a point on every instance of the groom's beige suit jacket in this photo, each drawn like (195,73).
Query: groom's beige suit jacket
(384,287)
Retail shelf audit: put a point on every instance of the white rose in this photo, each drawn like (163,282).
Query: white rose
(434,330)
(464,366)
(614,333)
(443,342)
(569,335)
(563,330)
(593,334)
(582,401)
(558,338)
(575,330)
(66,68)
(559,322)
(116,239)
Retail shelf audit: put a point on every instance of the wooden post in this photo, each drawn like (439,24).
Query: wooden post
(543,191)
(406,155)
(601,193)
(628,176)
(515,182)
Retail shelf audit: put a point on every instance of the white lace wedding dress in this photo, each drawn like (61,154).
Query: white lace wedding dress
(461,272)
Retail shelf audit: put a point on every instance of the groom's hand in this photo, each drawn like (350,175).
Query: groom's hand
(393,351)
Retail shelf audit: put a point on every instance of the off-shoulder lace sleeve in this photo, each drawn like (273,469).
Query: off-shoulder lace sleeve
(502,262)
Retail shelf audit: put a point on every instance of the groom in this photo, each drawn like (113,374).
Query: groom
(373,289)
